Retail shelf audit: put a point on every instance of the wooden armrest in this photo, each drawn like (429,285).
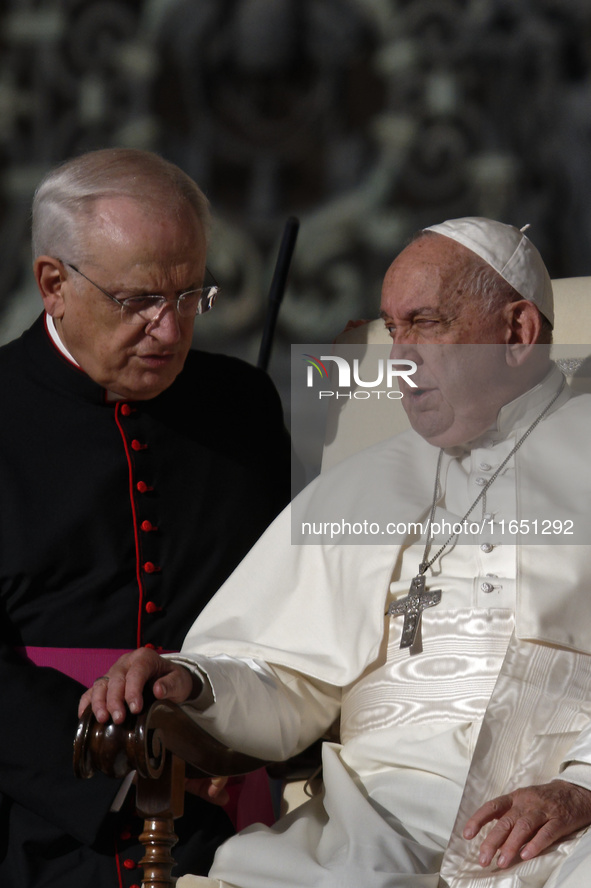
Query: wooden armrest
(141,742)
(158,744)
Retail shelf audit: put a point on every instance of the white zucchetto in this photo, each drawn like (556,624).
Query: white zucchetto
(509,252)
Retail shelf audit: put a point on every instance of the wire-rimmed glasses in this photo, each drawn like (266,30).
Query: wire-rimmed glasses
(144,309)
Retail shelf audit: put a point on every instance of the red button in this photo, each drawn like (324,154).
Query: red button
(151,646)
(134,886)
(125,835)
(129,864)
(152,608)
(147,526)
(137,445)
(142,487)
(150,567)
(126,410)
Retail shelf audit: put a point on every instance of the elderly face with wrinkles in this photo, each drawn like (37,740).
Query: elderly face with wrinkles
(134,250)
(469,363)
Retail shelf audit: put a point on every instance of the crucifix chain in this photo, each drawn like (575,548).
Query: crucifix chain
(419,598)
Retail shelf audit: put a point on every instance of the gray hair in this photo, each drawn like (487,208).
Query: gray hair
(66,196)
(486,285)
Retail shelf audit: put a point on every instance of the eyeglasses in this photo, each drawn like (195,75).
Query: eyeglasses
(144,309)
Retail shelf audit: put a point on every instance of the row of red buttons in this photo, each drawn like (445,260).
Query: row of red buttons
(146,526)
(128,863)
(150,607)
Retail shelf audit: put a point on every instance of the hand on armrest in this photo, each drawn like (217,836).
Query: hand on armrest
(125,682)
(529,820)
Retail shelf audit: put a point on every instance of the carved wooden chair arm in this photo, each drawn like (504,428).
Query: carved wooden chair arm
(141,744)
(157,744)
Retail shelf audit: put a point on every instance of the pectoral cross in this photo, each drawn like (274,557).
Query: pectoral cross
(412,607)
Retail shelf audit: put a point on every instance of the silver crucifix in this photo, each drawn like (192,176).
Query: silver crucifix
(412,607)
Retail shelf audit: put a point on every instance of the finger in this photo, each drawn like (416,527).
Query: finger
(85,700)
(494,841)
(89,698)
(124,684)
(176,685)
(217,795)
(115,696)
(492,810)
(99,697)
(211,789)
(549,833)
(127,685)
(508,837)
(216,791)
(216,785)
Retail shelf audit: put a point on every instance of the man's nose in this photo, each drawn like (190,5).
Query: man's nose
(166,325)
(402,348)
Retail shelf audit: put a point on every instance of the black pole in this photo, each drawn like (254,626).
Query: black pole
(277,289)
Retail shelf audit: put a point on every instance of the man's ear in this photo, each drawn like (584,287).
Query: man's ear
(524,322)
(524,325)
(50,277)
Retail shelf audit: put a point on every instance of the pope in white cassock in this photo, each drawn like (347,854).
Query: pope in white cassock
(465,703)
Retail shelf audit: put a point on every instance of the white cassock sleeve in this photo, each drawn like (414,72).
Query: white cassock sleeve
(577,765)
(265,711)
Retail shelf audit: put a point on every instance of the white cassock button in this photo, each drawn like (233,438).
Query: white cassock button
(487,587)
(487,547)
(488,516)
(481,482)
(485,467)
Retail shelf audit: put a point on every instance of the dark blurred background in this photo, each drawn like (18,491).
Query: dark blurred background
(365,118)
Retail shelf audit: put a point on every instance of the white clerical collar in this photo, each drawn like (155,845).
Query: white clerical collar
(524,409)
(520,413)
(55,338)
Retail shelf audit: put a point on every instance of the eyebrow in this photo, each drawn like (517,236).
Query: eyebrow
(126,292)
(427,309)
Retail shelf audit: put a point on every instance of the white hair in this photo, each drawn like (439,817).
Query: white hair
(65,197)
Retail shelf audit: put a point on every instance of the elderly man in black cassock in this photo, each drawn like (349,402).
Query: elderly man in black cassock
(135,474)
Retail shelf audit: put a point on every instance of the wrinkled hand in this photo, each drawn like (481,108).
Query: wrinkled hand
(529,820)
(212,789)
(127,678)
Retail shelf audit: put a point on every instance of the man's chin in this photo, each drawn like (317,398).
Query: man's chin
(426,413)
(144,388)
(451,436)
(435,431)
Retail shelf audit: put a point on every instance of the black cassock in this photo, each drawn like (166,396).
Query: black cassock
(118,522)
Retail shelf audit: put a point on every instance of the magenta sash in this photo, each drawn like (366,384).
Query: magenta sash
(83,664)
